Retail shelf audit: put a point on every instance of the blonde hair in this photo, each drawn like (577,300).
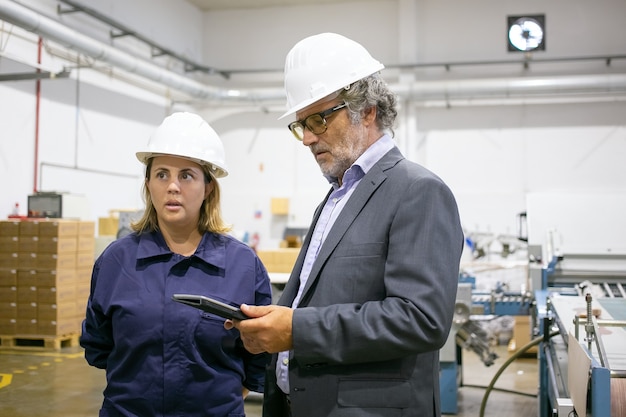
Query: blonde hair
(210,212)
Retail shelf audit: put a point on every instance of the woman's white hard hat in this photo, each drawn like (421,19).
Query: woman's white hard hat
(319,65)
(189,136)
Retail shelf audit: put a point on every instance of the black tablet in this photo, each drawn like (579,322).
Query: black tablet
(210,306)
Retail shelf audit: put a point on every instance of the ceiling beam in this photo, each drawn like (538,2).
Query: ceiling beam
(37,75)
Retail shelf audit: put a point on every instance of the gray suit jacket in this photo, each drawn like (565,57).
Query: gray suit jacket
(378,303)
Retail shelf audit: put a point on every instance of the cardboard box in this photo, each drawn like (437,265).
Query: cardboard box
(8,326)
(29,228)
(522,334)
(27,260)
(8,277)
(108,226)
(58,228)
(9,244)
(83,288)
(8,310)
(81,307)
(9,260)
(56,260)
(83,276)
(8,294)
(86,243)
(27,310)
(26,277)
(26,294)
(279,260)
(9,227)
(28,244)
(26,327)
(56,295)
(59,327)
(54,278)
(54,312)
(86,228)
(85,260)
(279,206)
(55,244)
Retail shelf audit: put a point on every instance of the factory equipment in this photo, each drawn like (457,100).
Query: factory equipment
(124,221)
(471,336)
(502,303)
(450,355)
(466,334)
(56,205)
(577,303)
(581,313)
(583,367)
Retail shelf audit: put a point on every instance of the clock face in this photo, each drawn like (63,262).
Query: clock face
(526,34)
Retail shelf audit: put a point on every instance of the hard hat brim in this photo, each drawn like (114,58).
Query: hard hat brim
(216,170)
(333,89)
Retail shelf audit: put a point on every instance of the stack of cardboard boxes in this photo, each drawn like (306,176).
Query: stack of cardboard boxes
(45,273)
(279,260)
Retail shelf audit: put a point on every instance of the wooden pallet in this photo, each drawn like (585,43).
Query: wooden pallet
(36,342)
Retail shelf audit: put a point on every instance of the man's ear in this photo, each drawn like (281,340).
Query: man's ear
(369,115)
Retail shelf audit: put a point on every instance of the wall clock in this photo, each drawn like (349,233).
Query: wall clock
(526,33)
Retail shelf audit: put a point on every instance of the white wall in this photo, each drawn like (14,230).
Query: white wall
(493,156)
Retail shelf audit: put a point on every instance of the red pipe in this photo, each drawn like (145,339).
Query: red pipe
(37,105)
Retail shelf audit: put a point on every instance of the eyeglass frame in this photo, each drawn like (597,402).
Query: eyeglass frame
(303,123)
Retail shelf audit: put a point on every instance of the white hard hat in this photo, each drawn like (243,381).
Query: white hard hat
(187,135)
(322,64)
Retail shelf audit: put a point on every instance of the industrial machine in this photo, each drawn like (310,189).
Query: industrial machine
(577,273)
(49,204)
(467,334)
(581,315)
(450,355)
(576,299)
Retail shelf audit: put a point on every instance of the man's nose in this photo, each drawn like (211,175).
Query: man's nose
(309,137)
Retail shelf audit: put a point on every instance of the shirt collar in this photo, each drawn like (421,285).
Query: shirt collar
(212,248)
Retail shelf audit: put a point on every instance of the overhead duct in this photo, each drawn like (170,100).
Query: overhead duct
(50,29)
(604,85)
(566,85)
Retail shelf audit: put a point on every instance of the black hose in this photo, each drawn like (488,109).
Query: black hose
(508,391)
(516,355)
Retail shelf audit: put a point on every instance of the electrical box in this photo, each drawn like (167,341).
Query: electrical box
(58,206)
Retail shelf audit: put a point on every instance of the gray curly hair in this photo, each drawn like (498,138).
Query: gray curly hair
(371,91)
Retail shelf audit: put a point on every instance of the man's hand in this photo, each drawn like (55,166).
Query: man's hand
(268,329)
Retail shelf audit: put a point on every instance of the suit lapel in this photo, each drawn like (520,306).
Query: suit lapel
(369,183)
(293,284)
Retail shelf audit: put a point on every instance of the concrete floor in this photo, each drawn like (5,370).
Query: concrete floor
(38,383)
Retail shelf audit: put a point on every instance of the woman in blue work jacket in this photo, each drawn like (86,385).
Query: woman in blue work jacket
(164,358)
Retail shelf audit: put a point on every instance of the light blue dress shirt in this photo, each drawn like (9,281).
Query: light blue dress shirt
(333,206)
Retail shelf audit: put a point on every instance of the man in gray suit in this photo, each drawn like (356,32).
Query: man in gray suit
(370,300)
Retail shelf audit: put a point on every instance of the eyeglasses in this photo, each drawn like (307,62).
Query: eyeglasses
(316,123)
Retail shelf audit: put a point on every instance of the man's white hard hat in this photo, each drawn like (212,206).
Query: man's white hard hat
(319,65)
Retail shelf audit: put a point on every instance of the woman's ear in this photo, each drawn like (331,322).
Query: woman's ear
(208,189)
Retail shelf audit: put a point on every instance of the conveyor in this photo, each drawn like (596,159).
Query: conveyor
(582,361)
